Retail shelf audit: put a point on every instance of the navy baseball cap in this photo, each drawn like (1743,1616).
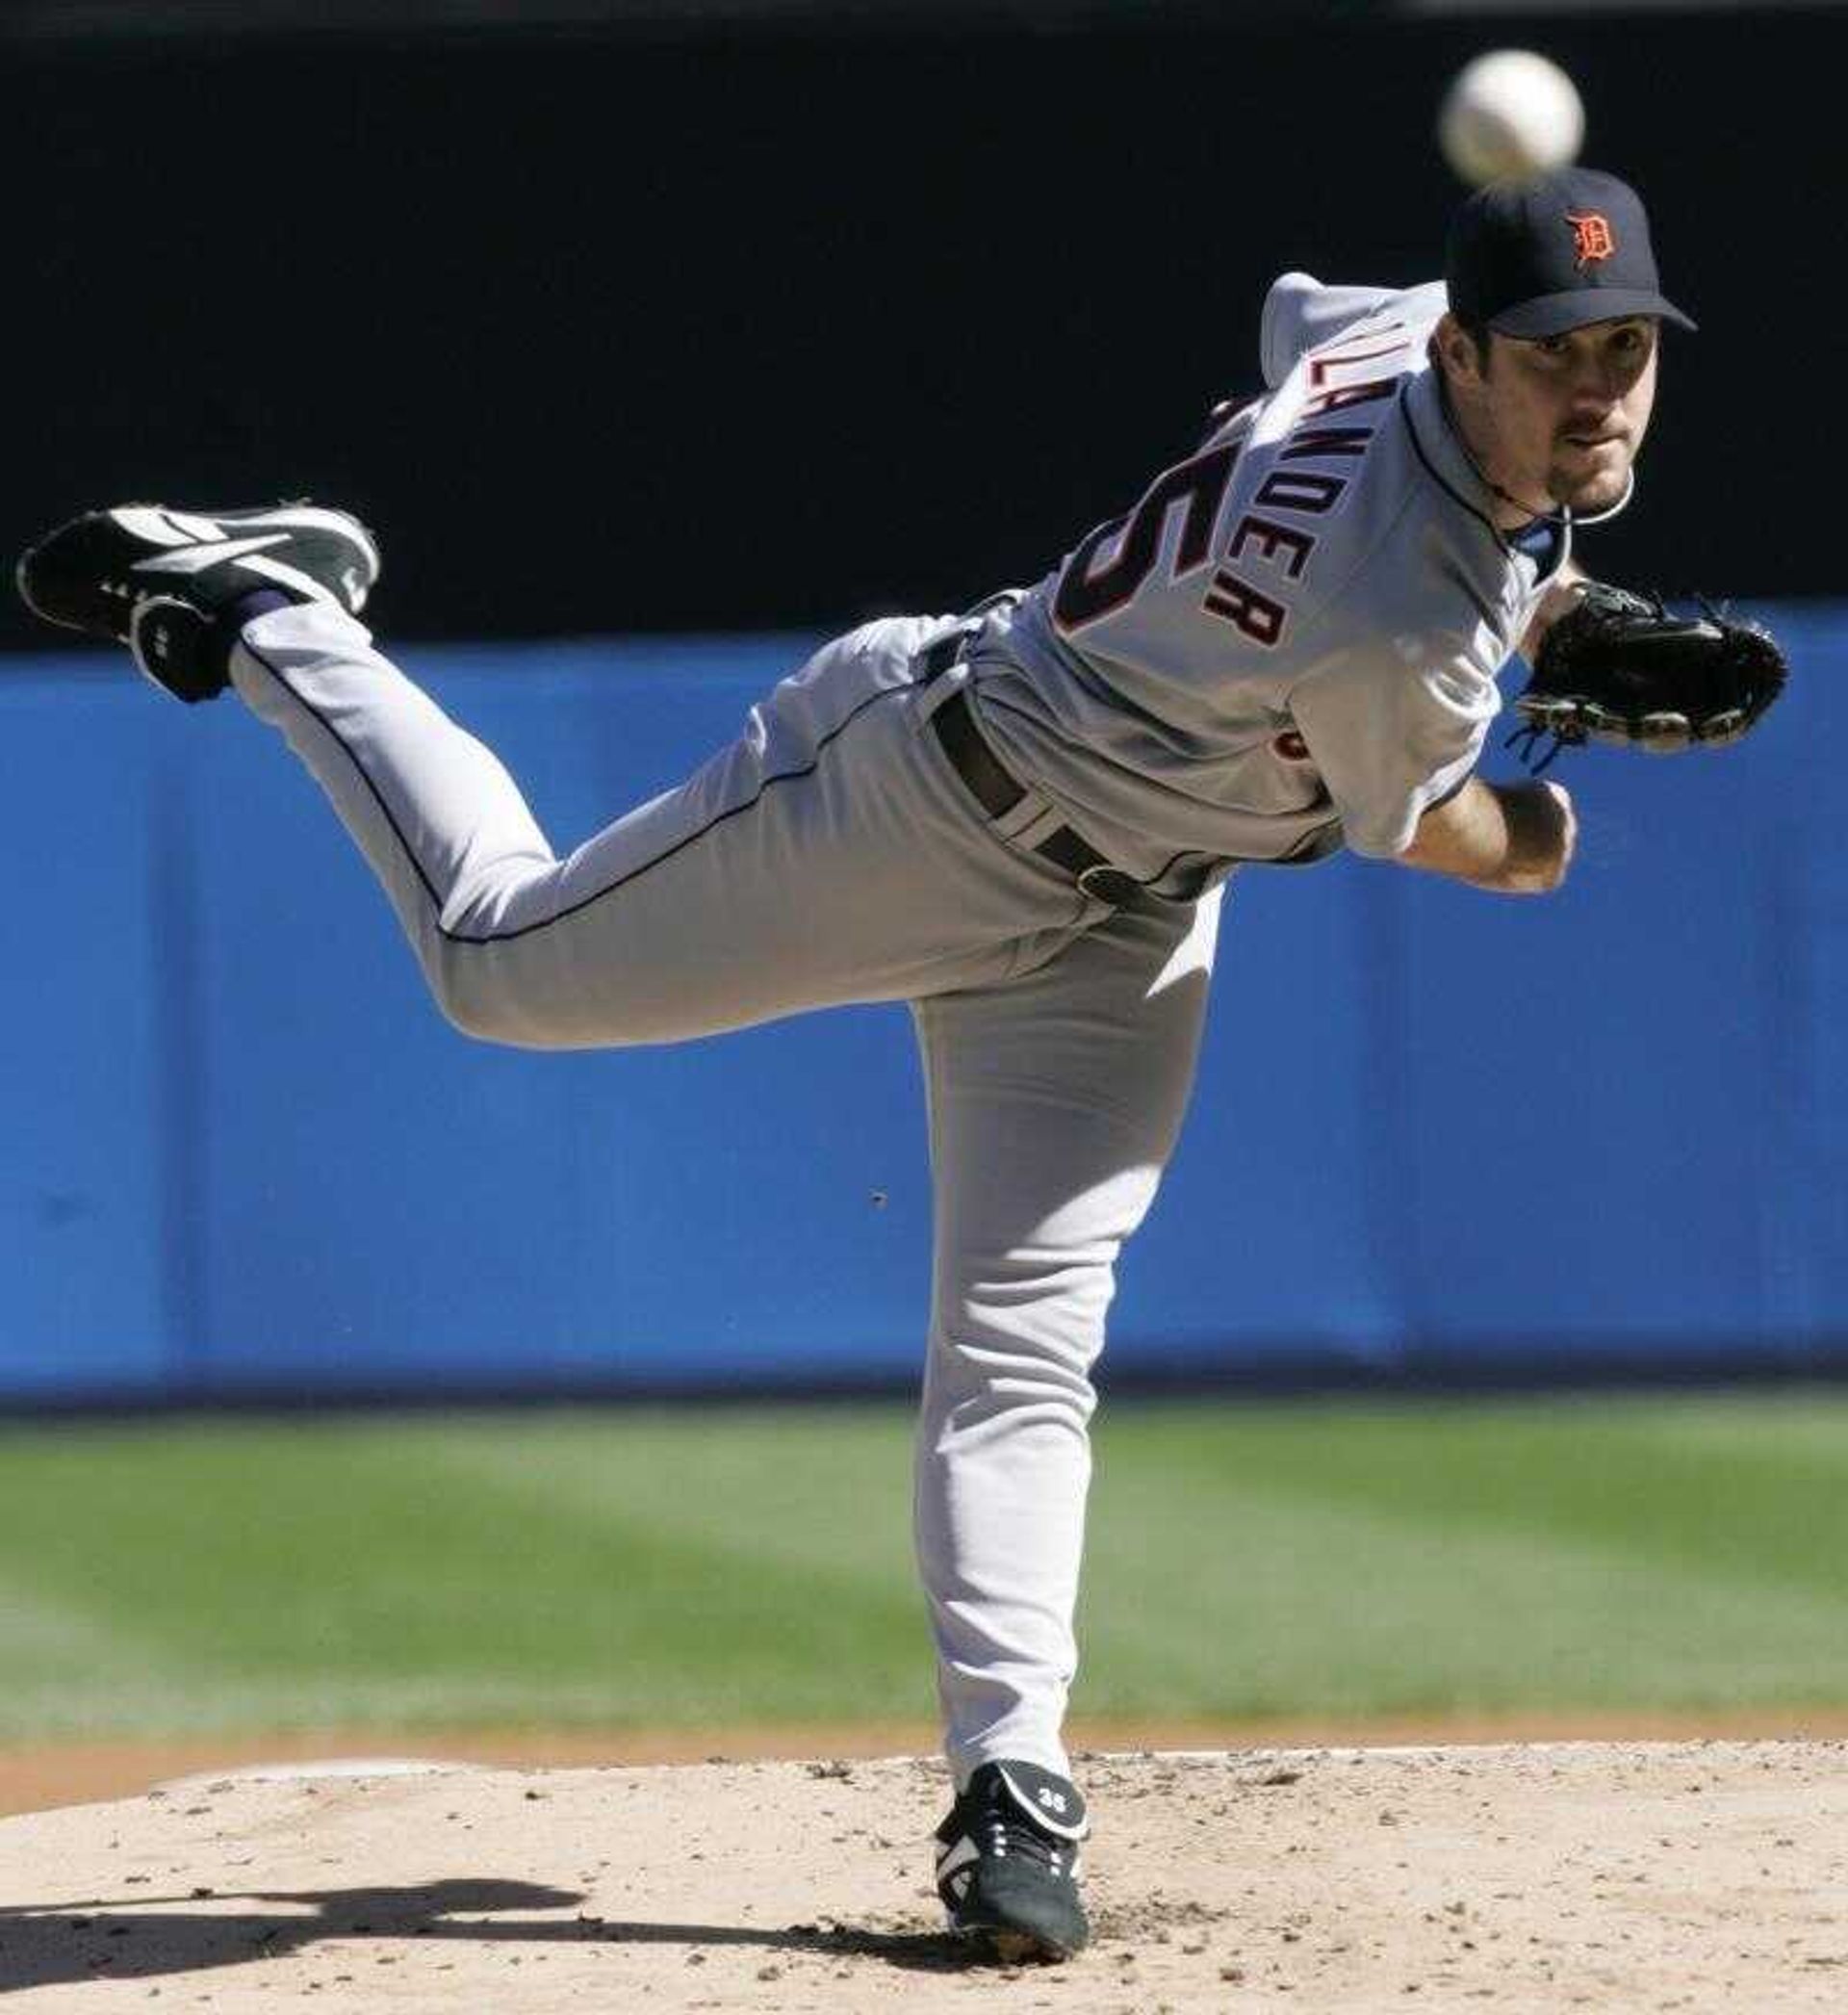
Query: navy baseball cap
(1538,258)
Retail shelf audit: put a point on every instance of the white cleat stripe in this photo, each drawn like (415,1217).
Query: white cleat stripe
(279,570)
(163,526)
(195,527)
(194,559)
(144,522)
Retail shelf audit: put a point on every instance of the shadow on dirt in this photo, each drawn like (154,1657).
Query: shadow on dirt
(146,1937)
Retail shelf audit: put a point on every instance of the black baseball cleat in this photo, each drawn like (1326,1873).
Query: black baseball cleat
(168,583)
(1007,1863)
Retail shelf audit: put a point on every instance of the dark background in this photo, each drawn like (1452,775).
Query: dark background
(686,325)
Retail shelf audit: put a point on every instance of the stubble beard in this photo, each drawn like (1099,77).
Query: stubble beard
(1594,491)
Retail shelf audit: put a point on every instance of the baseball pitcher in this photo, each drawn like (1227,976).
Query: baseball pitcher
(1021,821)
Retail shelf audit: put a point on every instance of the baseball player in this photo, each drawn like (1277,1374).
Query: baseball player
(1020,821)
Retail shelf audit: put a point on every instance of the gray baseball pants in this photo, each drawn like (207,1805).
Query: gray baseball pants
(832,854)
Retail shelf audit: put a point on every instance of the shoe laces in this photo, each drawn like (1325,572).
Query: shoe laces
(1006,1832)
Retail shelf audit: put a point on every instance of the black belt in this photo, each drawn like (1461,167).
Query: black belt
(998,794)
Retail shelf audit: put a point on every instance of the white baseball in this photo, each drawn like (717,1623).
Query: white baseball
(1508,114)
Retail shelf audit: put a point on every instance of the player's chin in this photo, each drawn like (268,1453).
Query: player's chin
(1592,482)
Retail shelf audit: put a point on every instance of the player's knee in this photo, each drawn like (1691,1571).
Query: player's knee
(481,1020)
(520,1003)
(1043,1342)
(481,1003)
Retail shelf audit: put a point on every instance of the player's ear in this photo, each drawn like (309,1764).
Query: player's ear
(1455,351)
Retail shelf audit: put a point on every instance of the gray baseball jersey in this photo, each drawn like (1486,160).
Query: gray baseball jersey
(1293,641)
(1290,641)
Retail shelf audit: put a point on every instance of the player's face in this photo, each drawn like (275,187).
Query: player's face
(1567,413)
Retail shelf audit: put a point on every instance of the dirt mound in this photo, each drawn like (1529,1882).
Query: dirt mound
(1706,1875)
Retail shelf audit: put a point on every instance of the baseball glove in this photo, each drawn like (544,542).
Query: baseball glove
(1619,668)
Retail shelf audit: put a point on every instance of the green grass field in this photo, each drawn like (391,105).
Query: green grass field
(735,1565)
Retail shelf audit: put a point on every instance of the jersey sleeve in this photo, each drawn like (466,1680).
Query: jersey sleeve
(1299,312)
(1391,739)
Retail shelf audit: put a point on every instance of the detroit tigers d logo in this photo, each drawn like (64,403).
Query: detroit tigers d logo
(1592,238)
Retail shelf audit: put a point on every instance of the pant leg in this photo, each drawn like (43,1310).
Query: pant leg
(1054,1105)
(828,855)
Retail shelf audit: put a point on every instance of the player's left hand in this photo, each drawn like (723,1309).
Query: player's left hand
(1619,668)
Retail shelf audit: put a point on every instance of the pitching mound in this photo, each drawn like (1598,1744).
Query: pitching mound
(1706,1875)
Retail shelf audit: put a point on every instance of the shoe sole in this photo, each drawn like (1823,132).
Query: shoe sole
(1016,1948)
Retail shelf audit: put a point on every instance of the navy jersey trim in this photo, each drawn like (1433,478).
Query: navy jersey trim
(1437,475)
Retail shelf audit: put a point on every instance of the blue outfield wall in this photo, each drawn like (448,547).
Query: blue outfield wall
(1435,1134)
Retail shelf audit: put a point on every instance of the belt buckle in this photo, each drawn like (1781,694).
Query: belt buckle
(1103,883)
